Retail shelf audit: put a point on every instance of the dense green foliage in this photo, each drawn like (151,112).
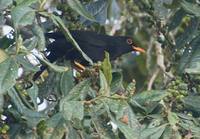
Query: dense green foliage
(153,95)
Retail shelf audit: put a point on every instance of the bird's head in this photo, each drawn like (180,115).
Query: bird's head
(130,43)
(121,45)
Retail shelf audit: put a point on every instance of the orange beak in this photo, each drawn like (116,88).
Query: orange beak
(138,49)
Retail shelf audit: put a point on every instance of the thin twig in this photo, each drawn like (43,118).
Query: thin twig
(153,78)
(160,60)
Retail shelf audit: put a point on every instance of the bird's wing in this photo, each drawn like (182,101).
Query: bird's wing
(89,37)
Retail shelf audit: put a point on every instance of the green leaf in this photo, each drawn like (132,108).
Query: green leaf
(33,94)
(32,117)
(191,8)
(117,82)
(51,85)
(77,6)
(126,130)
(26,2)
(113,10)
(72,109)
(19,106)
(22,15)
(104,88)
(148,100)
(190,60)
(192,103)
(168,133)
(190,124)
(189,33)
(9,70)
(118,107)
(150,96)
(38,32)
(176,19)
(3,56)
(58,22)
(153,133)
(133,122)
(30,43)
(66,82)
(78,90)
(172,118)
(4,4)
(57,126)
(1,102)
(53,66)
(29,135)
(106,68)
(26,64)
(98,9)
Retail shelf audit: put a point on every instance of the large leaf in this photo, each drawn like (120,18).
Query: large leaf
(57,125)
(3,56)
(190,60)
(133,122)
(190,123)
(168,133)
(176,19)
(77,91)
(172,118)
(159,8)
(106,68)
(66,82)
(51,86)
(32,117)
(22,15)
(78,7)
(118,107)
(191,8)
(25,63)
(117,82)
(192,103)
(1,102)
(8,74)
(113,10)
(150,96)
(72,109)
(104,87)
(38,32)
(148,100)
(33,94)
(99,11)
(153,133)
(189,33)
(126,130)
(4,4)
(53,66)
(26,2)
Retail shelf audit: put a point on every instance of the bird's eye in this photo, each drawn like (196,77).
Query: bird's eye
(129,41)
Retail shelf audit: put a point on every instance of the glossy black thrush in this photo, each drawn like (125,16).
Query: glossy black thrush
(91,43)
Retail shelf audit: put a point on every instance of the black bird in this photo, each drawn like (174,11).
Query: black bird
(92,44)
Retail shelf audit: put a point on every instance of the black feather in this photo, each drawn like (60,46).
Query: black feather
(91,43)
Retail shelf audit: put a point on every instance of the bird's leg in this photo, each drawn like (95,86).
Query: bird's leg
(79,66)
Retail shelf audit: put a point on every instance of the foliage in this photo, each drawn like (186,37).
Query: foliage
(147,96)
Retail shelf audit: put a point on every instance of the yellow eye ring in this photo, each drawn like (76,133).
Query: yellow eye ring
(129,41)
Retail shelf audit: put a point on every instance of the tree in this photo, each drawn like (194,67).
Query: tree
(145,96)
